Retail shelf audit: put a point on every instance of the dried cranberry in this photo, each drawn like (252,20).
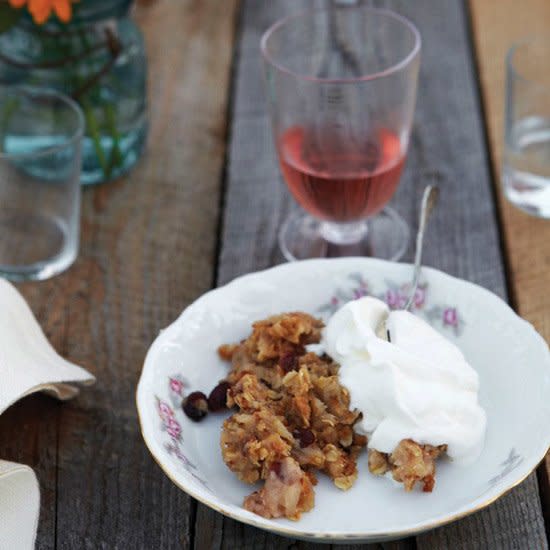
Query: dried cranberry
(276,468)
(195,406)
(304,436)
(217,400)
(289,361)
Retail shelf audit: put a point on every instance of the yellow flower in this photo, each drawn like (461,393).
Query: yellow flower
(42,9)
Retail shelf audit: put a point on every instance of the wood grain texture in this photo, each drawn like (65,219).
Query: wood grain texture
(148,249)
(496,26)
(447,146)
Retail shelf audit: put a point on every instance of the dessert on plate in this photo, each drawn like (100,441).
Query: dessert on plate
(309,397)
(417,394)
(294,416)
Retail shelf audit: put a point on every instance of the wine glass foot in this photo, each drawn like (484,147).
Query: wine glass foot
(386,237)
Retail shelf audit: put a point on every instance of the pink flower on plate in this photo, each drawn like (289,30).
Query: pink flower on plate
(450,317)
(419,297)
(334,301)
(173,428)
(165,411)
(176,385)
(395,299)
(392,298)
(359,293)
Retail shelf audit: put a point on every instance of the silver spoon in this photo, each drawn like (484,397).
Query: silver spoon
(429,200)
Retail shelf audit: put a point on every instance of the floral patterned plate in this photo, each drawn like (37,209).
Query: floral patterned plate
(513,362)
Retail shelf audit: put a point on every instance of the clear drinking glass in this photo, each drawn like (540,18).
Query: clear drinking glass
(341,87)
(526,169)
(40,144)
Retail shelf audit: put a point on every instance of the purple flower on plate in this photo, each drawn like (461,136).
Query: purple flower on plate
(450,317)
(392,298)
(334,301)
(176,386)
(173,428)
(395,299)
(359,293)
(419,297)
(165,411)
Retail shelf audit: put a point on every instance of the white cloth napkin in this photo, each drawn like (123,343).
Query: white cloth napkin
(19,506)
(28,363)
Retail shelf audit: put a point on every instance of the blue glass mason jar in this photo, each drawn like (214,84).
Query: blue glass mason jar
(98,59)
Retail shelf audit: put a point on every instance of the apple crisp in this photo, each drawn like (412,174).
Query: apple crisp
(293,418)
(409,463)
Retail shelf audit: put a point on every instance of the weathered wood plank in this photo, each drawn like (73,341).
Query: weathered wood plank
(148,249)
(496,25)
(447,145)
(254,190)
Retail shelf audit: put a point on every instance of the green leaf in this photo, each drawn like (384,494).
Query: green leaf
(8,16)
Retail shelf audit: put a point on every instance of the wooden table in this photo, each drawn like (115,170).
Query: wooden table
(204,206)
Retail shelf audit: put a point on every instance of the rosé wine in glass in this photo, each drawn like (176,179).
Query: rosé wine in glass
(343,187)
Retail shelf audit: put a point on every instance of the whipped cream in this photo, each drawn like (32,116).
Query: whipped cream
(417,386)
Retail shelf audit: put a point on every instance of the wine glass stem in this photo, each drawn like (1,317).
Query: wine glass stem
(344,233)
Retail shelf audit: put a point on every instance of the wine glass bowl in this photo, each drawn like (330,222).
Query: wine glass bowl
(341,87)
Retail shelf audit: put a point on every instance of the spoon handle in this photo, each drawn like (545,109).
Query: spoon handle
(429,200)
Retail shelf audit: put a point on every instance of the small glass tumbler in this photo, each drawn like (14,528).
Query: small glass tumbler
(40,159)
(526,168)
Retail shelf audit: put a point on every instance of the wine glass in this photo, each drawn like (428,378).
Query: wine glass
(341,87)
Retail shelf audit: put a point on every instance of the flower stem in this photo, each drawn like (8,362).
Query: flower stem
(116,154)
(115,157)
(90,84)
(95,135)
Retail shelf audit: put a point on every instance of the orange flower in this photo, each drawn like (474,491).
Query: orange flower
(42,9)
